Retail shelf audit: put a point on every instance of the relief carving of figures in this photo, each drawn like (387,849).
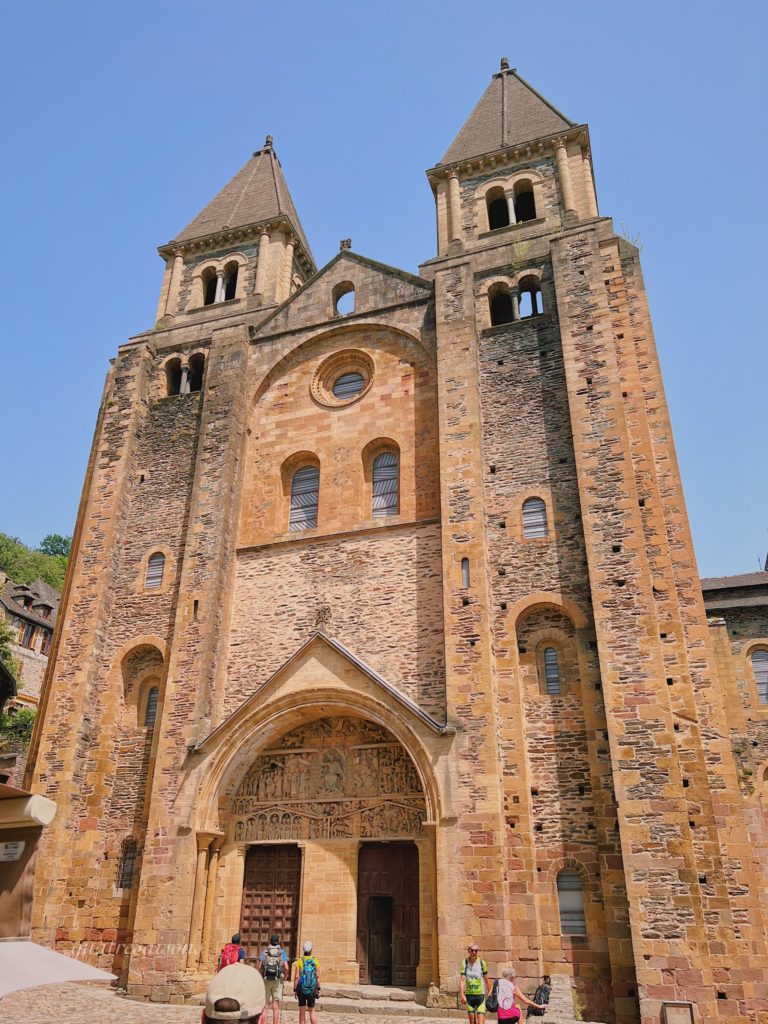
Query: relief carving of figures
(285,794)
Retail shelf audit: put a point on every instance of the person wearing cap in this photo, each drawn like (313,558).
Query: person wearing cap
(306,983)
(236,993)
(273,964)
(473,984)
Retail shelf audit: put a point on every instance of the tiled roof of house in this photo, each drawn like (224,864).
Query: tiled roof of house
(12,599)
(257,193)
(509,113)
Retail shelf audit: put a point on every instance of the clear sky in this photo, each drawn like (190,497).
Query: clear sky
(121,120)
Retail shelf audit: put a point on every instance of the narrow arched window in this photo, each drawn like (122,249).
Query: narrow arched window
(534,518)
(498,211)
(344,298)
(305,491)
(230,281)
(210,282)
(196,369)
(151,712)
(465,577)
(173,376)
(155,570)
(525,205)
(531,302)
(759,661)
(551,672)
(500,305)
(127,866)
(570,900)
(385,484)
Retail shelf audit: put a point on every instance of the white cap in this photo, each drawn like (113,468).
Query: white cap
(241,983)
(308,946)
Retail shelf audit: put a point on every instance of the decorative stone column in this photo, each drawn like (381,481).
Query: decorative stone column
(219,296)
(260,287)
(454,205)
(589,184)
(184,387)
(510,194)
(198,896)
(441,208)
(210,898)
(564,174)
(515,293)
(287,268)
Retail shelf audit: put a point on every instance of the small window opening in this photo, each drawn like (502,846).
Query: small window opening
(500,303)
(196,369)
(535,518)
(305,492)
(531,302)
(385,485)
(155,570)
(348,385)
(173,376)
(759,661)
(209,286)
(151,713)
(465,577)
(230,280)
(525,205)
(344,299)
(570,899)
(498,210)
(127,866)
(551,672)
(28,636)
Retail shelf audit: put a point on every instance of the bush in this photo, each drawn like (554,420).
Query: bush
(16,728)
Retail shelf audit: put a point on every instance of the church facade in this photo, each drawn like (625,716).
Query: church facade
(383,624)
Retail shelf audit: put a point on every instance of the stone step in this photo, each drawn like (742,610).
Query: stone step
(377,1007)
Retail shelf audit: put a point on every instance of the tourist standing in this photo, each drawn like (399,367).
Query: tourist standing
(473,984)
(306,983)
(273,964)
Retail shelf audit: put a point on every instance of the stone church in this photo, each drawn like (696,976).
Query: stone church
(383,624)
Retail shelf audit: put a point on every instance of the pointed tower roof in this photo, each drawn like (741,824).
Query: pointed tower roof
(510,112)
(257,193)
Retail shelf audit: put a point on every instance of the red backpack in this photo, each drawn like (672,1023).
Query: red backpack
(229,955)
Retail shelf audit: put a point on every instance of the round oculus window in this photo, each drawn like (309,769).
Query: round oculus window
(342,378)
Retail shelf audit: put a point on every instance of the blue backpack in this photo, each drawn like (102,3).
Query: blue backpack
(307,984)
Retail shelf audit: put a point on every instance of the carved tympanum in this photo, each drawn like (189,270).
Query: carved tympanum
(335,778)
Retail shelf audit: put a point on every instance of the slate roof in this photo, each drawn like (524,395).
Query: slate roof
(510,112)
(257,193)
(747,579)
(12,595)
(749,590)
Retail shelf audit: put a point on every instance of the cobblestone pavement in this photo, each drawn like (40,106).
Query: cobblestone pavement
(94,1004)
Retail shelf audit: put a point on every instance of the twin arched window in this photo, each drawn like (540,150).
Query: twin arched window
(219,286)
(759,659)
(185,378)
(570,901)
(535,518)
(507,305)
(155,571)
(385,491)
(515,208)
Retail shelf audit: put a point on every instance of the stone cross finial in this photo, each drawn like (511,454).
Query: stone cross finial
(268,142)
(345,243)
(323,616)
(505,63)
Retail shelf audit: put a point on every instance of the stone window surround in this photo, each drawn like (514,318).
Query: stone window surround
(196,301)
(289,468)
(507,183)
(169,570)
(543,492)
(184,357)
(369,453)
(747,650)
(589,889)
(512,283)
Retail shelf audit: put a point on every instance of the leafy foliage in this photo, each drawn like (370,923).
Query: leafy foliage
(56,545)
(25,565)
(8,637)
(16,728)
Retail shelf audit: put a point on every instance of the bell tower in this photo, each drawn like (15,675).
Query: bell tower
(583,630)
(245,250)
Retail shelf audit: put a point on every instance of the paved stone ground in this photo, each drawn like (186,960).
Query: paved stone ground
(95,1004)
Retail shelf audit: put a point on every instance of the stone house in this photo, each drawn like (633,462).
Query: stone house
(31,610)
(384,625)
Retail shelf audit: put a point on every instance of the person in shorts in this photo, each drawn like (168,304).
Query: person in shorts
(236,993)
(306,998)
(273,964)
(473,984)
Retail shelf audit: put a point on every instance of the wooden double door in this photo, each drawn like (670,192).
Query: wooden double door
(271,889)
(388,913)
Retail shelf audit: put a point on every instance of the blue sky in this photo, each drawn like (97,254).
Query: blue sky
(122,120)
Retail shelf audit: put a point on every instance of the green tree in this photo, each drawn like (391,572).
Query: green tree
(24,565)
(16,728)
(55,544)
(8,637)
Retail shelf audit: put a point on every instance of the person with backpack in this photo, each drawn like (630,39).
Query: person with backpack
(273,964)
(541,997)
(473,984)
(508,993)
(306,983)
(232,953)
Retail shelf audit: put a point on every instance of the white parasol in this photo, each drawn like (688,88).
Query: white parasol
(24,964)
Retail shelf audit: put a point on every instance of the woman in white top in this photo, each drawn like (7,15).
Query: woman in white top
(508,993)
